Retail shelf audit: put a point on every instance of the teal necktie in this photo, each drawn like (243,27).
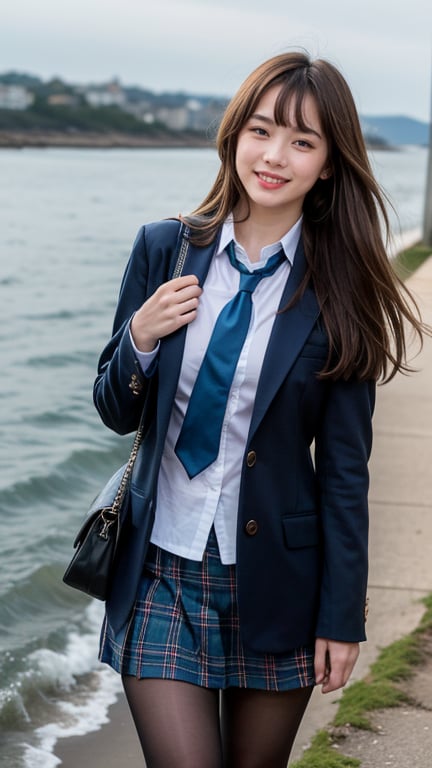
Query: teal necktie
(198,443)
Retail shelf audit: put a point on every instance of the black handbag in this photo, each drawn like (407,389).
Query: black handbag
(96,543)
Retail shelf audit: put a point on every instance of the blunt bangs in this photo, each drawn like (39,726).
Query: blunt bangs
(294,87)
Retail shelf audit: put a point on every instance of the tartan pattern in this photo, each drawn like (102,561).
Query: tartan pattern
(185,626)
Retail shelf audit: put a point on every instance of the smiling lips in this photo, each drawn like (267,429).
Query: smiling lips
(270,180)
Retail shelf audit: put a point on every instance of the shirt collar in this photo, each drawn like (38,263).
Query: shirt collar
(288,242)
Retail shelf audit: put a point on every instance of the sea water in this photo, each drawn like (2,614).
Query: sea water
(68,219)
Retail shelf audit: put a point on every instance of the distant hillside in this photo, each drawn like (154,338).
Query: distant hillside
(20,78)
(55,105)
(396,130)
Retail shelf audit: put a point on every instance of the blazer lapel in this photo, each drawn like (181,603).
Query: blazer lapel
(290,331)
(171,351)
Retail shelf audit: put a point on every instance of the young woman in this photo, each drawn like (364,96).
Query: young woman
(241,578)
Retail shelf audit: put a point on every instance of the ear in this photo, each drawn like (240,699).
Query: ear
(325,174)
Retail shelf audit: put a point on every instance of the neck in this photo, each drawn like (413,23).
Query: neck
(262,228)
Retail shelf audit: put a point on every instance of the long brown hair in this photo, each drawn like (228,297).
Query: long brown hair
(363,303)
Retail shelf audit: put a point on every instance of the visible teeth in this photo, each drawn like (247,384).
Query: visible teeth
(270,179)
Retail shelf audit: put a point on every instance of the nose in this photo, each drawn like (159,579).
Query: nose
(275,154)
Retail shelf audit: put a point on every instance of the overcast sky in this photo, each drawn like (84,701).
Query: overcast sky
(383,47)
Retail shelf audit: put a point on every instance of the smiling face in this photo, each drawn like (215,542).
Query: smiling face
(278,164)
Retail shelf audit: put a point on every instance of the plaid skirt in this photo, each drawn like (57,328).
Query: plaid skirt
(185,626)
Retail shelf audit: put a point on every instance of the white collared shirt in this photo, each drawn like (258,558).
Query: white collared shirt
(186,509)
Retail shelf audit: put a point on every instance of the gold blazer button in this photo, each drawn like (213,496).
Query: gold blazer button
(366,609)
(251,527)
(251,459)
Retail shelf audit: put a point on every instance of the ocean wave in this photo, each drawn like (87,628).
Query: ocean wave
(59,692)
(77,719)
(66,314)
(10,280)
(58,418)
(56,360)
(45,675)
(83,470)
(39,592)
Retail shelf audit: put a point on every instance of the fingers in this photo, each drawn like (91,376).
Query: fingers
(180,282)
(184,293)
(321,661)
(334,662)
(173,305)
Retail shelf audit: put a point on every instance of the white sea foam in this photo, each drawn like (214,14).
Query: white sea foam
(86,713)
(78,657)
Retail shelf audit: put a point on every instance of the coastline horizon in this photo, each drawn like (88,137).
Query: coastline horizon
(111,139)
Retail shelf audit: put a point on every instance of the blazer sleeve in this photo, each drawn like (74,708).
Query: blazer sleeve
(121,386)
(342,449)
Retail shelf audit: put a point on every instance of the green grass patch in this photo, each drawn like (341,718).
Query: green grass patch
(406,262)
(323,753)
(396,662)
(426,622)
(362,698)
(380,690)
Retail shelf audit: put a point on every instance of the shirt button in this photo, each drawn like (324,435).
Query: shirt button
(251,459)
(251,527)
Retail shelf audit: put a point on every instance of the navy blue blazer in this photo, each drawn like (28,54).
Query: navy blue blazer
(303,516)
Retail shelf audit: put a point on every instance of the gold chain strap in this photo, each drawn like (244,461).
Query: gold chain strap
(116,506)
(184,247)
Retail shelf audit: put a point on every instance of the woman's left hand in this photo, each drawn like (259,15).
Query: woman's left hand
(334,662)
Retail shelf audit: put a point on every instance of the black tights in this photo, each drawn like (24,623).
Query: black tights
(181,725)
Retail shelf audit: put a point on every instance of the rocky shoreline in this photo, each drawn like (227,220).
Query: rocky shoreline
(108,140)
(116,140)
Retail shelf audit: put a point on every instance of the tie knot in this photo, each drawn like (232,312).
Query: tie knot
(249,280)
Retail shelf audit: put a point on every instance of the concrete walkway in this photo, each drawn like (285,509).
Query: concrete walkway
(400,551)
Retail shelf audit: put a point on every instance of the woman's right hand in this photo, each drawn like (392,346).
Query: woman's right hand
(172,305)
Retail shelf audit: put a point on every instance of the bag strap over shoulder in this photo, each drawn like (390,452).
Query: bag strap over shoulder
(178,269)
(183,251)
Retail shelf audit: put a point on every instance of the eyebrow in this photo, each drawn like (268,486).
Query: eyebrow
(270,121)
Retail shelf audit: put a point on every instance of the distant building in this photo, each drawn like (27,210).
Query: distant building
(176,118)
(205,117)
(193,115)
(62,100)
(15,97)
(110,95)
(141,109)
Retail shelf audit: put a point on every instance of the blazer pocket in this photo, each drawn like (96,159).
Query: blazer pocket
(301,531)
